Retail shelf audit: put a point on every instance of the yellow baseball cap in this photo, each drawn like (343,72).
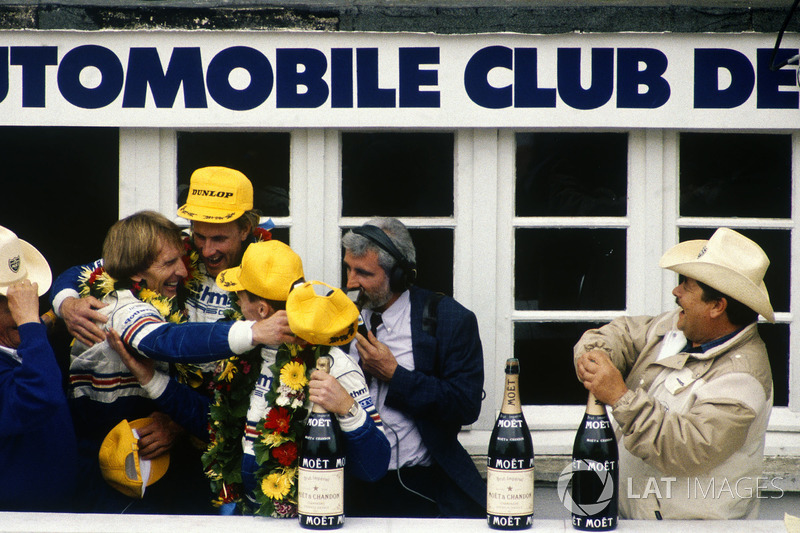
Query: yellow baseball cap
(120,463)
(321,314)
(269,269)
(217,195)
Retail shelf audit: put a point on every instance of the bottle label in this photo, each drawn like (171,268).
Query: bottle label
(509,492)
(320,492)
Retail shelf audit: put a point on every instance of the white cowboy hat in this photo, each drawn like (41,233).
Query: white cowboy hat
(728,262)
(19,260)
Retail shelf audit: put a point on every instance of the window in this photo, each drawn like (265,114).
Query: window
(407,176)
(570,187)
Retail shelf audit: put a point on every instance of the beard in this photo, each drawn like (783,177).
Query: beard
(376,300)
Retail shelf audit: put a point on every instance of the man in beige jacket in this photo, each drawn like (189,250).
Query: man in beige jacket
(691,389)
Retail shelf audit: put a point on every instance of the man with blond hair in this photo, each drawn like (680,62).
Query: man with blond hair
(690,390)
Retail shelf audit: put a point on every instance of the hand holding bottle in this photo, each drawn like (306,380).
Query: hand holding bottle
(601,377)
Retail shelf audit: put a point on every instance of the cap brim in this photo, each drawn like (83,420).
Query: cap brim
(37,269)
(206,214)
(228,279)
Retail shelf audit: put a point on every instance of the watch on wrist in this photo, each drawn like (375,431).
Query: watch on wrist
(352,411)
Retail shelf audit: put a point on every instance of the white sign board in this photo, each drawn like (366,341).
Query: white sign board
(240,79)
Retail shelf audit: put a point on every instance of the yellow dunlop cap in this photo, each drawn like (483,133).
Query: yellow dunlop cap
(120,463)
(217,195)
(269,269)
(321,314)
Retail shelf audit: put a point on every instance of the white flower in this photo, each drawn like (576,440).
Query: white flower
(283,401)
(296,404)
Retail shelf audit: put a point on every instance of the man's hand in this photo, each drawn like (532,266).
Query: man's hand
(81,318)
(601,377)
(23,302)
(157,438)
(142,368)
(273,330)
(326,391)
(376,358)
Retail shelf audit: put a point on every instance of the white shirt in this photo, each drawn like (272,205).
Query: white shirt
(395,332)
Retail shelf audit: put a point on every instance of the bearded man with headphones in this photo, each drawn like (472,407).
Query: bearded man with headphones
(424,364)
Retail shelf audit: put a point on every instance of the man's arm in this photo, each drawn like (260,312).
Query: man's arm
(181,403)
(80,314)
(368,450)
(32,390)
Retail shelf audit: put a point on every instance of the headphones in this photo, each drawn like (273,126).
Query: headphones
(404,272)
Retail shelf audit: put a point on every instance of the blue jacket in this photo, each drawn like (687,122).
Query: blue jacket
(444,390)
(38,457)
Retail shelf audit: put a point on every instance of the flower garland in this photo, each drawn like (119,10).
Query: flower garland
(279,431)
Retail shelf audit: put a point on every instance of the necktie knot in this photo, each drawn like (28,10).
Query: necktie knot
(374,321)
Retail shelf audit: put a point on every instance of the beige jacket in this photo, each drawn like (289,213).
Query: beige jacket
(692,425)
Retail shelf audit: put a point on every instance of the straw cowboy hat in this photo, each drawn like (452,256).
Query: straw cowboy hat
(19,260)
(728,262)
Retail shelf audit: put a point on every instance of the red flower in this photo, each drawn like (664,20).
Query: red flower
(278,420)
(286,453)
(262,234)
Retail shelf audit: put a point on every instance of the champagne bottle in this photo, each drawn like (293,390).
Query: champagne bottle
(509,473)
(595,471)
(320,484)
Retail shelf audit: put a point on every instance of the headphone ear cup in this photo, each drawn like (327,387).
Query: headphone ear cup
(398,281)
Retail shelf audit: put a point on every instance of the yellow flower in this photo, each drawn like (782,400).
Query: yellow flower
(175,318)
(294,349)
(293,375)
(161,305)
(106,283)
(228,372)
(272,439)
(276,486)
(146,295)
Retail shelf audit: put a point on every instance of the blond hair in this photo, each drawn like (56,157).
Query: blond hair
(133,243)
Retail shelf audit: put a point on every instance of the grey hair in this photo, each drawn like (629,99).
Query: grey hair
(358,245)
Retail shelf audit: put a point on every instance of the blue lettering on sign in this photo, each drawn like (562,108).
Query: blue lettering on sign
(526,81)
(33,60)
(476,80)
(369,93)
(769,82)
(144,69)
(70,69)
(249,59)
(636,68)
(707,92)
(290,78)
(348,78)
(412,77)
(341,78)
(569,78)
(630,78)
(3,72)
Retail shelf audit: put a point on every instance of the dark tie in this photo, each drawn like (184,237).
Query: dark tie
(374,321)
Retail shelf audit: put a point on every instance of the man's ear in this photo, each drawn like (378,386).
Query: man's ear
(719,307)
(264,309)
